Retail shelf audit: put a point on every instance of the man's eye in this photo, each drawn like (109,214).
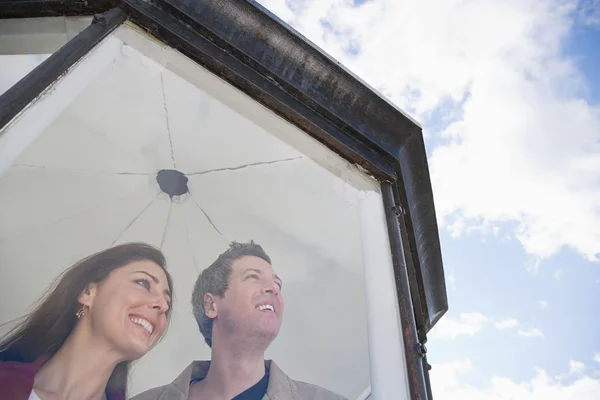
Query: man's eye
(253,276)
(143,282)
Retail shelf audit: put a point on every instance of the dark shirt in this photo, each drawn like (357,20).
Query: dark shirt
(256,392)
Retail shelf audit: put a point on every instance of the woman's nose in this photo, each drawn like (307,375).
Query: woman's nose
(161,305)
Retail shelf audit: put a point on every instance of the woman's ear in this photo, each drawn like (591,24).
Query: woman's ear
(86,297)
(210,307)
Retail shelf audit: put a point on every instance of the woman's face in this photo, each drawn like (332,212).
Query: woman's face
(128,309)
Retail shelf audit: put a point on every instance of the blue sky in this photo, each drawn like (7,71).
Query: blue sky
(508,93)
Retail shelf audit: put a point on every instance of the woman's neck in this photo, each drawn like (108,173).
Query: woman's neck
(80,369)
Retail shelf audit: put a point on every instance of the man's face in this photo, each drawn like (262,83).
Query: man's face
(252,306)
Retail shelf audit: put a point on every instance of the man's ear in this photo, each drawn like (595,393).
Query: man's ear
(86,297)
(210,306)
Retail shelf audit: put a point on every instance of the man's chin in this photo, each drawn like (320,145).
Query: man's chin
(266,334)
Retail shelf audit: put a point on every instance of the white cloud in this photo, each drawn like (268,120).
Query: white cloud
(543,304)
(447,375)
(465,324)
(531,333)
(449,328)
(446,384)
(506,324)
(597,357)
(576,367)
(520,139)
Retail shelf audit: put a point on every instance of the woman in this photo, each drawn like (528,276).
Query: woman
(105,311)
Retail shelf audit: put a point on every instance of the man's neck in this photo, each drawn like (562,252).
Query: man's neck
(232,371)
(80,369)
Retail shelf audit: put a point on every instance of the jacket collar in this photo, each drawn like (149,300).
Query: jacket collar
(280,387)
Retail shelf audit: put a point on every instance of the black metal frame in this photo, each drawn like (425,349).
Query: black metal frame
(53,8)
(245,45)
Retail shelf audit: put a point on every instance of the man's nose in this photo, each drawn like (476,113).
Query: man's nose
(272,288)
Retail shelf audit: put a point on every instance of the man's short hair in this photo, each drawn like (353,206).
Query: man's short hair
(215,279)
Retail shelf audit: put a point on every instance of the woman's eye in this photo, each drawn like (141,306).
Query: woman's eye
(143,282)
(252,276)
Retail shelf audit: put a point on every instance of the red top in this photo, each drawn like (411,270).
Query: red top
(16,380)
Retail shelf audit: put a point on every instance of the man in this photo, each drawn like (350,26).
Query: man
(238,305)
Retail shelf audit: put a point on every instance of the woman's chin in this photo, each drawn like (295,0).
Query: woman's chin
(135,351)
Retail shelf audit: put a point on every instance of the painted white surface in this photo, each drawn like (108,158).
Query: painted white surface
(386,345)
(88,181)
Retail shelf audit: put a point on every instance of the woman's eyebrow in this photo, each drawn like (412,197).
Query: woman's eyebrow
(157,281)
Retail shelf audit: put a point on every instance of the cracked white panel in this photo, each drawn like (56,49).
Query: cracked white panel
(256,123)
(120,115)
(89,181)
(197,118)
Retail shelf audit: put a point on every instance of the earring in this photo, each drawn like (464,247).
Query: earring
(81,312)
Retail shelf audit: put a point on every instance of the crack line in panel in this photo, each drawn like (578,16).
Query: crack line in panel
(135,219)
(162,82)
(166,225)
(245,166)
(207,217)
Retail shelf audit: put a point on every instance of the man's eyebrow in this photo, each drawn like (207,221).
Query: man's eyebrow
(253,270)
(157,281)
(275,276)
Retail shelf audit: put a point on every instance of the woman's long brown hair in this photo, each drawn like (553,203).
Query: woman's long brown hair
(47,327)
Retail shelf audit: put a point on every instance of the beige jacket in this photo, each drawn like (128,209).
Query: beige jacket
(280,387)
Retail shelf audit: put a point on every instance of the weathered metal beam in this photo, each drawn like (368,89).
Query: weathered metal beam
(52,8)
